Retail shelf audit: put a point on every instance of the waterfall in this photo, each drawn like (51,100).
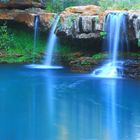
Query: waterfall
(115,26)
(51,44)
(36,23)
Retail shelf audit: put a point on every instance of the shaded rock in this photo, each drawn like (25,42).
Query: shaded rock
(132,69)
(87,36)
(82,64)
(134,22)
(133,28)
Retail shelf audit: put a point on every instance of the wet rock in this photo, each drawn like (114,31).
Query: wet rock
(46,21)
(132,69)
(82,64)
(134,23)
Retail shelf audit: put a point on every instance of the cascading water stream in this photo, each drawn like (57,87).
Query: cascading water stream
(115,26)
(36,23)
(51,44)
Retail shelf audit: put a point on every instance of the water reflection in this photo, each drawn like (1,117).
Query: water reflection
(56,105)
(111,114)
(50,103)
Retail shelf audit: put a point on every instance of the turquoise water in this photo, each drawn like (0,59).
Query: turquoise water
(59,105)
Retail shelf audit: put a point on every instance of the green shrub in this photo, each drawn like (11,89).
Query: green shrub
(99,56)
(103,34)
(6,38)
(17,46)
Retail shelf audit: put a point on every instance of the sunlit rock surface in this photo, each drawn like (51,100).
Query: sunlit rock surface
(80,22)
(82,10)
(27,17)
(86,22)
(24,11)
(20,4)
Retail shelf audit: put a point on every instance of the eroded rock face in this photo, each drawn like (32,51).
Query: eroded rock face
(77,26)
(24,11)
(80,22)
(86,22)
(20,4)
(27,17)
(134,23)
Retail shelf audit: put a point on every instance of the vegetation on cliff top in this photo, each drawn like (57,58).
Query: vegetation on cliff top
(119,4)
(60,5)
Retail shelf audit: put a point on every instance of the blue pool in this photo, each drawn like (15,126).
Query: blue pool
(60,105)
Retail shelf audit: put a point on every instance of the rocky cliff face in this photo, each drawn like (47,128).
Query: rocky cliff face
(86,22)
(134,23)
(24,11)
(84,25)
(26,17)
(80,22)
(20,4)
(80,27)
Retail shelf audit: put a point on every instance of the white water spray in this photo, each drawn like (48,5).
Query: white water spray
(115,26)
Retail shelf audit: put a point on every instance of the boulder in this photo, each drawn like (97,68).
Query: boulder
(132,69)
(81,22)
(82,64)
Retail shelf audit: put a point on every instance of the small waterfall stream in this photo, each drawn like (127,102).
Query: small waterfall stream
(115,26)
(36,23)
(51,44)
